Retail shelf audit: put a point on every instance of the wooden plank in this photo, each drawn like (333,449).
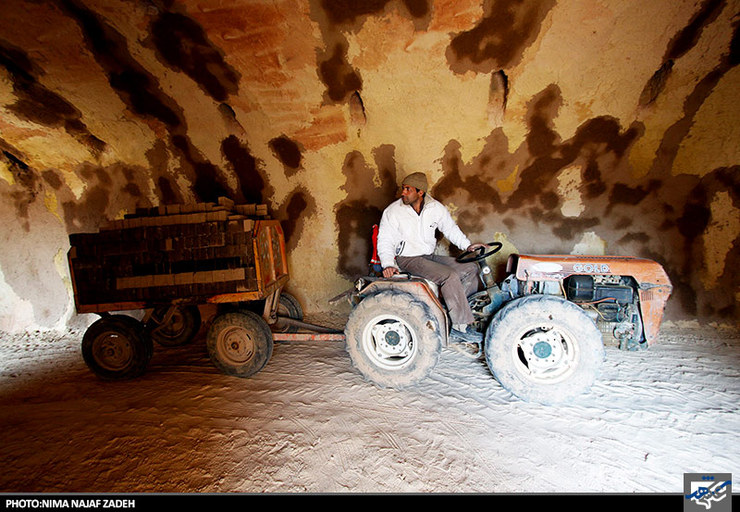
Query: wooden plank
(284,336)
(210,276)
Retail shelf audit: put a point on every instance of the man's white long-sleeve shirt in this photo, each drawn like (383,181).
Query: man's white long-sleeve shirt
(403,232)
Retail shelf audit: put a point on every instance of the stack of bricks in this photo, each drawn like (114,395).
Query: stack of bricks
(165,253)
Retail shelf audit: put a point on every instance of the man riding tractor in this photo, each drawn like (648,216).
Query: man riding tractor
(407,240)
(542,328)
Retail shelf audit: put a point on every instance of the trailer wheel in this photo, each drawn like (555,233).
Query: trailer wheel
(116,347)
(393,339)
(239,343)
(288,307)
(181,328)
(544,349)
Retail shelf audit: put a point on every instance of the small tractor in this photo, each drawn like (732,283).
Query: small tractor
(544,326)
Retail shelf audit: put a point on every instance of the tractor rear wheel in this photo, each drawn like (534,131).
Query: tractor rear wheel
(393,339)
(544,349)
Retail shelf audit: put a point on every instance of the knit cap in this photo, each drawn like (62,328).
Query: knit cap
(416,180)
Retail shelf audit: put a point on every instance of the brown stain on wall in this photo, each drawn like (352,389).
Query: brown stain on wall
(141,92)
(342,12)
(685,228)
(688,212)
(350,15)
(127,184)
(38,104)
(288,152)
(27,179)
(252,184)
(294,215)
(679,45)
(138,88)
(629,211)
(623,193)
(166,189)
(365,202)
(676,133)
(340,78)
(500,38)
(540,159)
(184,46)
(338,16)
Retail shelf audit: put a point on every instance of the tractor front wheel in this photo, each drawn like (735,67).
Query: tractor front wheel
(544,349)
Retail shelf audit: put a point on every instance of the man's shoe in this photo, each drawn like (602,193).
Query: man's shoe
(469,335)
(470,350)
(467,342)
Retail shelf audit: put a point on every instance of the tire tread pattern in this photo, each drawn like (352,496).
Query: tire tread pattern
(516,316)
(133,330)
(417,315)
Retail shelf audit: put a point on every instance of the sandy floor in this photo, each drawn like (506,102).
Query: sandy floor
(309,423)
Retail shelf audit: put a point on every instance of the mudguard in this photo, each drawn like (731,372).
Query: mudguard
(419,288)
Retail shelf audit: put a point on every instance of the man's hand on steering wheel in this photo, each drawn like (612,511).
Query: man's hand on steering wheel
(477,252)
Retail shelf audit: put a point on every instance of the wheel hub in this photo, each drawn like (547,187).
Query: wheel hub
(175,325)
(543,351)
(237,345)
(392,339)
(113,352)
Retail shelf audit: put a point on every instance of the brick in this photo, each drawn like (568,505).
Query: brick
(167,252)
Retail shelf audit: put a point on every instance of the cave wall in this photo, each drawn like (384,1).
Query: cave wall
(554,126)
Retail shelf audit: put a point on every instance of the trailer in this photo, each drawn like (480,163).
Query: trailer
(173,262)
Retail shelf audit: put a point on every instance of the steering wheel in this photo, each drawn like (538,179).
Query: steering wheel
(479,254)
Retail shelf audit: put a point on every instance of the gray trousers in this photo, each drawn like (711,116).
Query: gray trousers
(455,280)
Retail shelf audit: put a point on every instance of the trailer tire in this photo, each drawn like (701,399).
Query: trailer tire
(116,347)
(239,343)
(289,307)
(393,339)
(544,349)
(180,330)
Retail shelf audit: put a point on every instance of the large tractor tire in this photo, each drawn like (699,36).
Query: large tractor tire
(179,329)
(239,343)
(393,339)
(544,349)
(116,347)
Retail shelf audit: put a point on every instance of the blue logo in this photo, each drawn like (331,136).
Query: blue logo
(707,491)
